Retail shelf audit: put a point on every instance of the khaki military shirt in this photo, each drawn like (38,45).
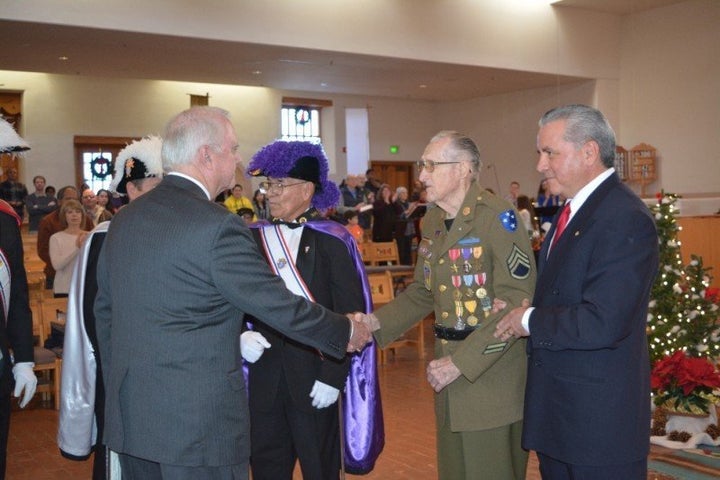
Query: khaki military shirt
(485,255)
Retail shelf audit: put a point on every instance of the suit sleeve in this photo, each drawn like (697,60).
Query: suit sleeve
(621,265)
(19,321)
(237,267)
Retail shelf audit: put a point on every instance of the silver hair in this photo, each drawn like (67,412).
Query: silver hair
(461,147)
(189,131)
(400,190)
(583,124)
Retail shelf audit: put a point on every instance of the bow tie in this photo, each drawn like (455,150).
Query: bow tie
(293,225)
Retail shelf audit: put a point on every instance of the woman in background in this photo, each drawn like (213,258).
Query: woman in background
(260,206)
(65,245)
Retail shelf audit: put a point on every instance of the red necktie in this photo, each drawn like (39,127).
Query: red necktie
(562,223)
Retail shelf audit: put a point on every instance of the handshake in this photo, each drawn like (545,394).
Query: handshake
(363,324)
(253,344)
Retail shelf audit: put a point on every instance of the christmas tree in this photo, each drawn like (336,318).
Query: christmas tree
(680,317)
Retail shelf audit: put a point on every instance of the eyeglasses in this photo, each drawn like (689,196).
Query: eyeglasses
(276,188)
(429,165)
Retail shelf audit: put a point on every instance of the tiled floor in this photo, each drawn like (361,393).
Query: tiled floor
(409,452)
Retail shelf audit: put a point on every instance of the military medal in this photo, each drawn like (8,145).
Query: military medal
(460,324)
(469,280)
(486,305)
(467,254)
(477,252)
(471,305)
(481,293)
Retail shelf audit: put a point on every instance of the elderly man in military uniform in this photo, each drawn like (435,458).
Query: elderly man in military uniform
(472,260)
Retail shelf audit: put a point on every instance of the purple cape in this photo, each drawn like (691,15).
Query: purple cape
(363,428)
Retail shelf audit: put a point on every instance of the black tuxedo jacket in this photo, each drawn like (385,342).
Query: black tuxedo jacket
(327,268)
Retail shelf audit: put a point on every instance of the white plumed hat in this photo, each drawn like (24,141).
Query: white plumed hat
(141,159)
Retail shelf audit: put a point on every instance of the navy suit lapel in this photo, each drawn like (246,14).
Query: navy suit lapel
(581,221)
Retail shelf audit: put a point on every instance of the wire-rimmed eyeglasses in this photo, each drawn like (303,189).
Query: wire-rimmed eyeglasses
(429,165)
(276,188)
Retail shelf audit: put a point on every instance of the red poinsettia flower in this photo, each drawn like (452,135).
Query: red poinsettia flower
(685,382)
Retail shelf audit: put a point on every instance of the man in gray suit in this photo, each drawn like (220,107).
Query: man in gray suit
(169,310)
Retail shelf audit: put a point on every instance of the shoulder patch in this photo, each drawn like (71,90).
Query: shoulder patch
(518,263)
(508,220)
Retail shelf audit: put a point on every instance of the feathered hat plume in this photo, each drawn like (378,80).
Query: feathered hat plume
(140,159)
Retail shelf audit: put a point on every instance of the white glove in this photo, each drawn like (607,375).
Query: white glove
(323,395)
(25,379)
(252,345)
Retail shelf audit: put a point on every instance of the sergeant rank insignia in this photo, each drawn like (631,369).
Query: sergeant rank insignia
(518,263)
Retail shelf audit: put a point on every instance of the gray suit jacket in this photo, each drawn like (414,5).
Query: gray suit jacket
(176,275)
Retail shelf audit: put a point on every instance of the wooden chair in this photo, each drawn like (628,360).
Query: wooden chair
(48,366)
(382,290)
(384,253)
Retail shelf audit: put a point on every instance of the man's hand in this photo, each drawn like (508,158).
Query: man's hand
(368,319)
(252,345)
(442,372)
(359,334)
(323,395)
(511,324)
(25,379)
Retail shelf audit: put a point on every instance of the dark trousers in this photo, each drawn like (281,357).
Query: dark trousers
(134,468)
(4,415)
(284,434)
(552,469)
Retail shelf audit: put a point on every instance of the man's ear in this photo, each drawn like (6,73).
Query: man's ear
(590,151)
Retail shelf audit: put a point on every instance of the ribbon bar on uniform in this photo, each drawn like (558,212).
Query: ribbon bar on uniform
(449,333)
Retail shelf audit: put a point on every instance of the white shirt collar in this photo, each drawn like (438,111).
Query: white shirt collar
(195,181)
(579,199)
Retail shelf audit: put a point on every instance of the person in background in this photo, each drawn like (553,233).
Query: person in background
(354,198)
(405,225)
(170,307)
(49,225)
(372,184)
(527,214)
(260,205)
(39,203)
(14,192)
(104,200)
(546,199)
(294,390)
(246,214)
(352,225)
(587,409)
(96,212)
(138,169)
(513,193)
(16,371)
(385,213)
(50,191)
(65,245)
(472,255)
(237,200)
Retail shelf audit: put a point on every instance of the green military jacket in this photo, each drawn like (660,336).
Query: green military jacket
(486,254)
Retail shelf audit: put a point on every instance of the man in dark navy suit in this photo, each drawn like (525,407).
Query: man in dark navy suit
(587,398)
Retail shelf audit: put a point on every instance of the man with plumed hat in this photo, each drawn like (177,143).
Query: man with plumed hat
(293,388)
(169,313)
(138,169)
(15,316)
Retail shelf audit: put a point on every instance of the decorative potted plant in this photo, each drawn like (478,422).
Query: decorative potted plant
(685,385)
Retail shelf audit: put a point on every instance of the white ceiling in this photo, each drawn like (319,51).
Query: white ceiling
(36,47)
